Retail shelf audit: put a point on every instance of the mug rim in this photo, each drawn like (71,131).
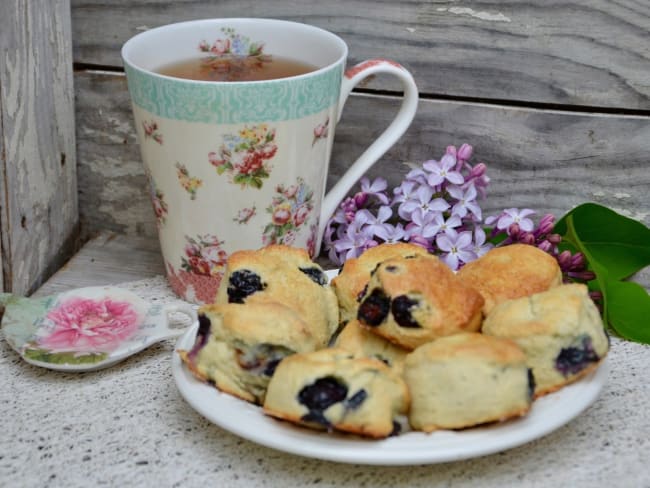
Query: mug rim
(129,46)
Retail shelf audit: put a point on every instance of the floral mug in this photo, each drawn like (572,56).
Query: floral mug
(243,164)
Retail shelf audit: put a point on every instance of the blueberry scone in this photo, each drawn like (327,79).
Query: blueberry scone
(363,343)
(330,389)
(351,282)
(238,347)
(284,275)
(465,380)
(410,301)
(513,271)
(560,330)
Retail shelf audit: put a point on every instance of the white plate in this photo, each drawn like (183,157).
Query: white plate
(248,421)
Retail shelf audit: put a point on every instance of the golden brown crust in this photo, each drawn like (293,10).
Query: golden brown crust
(443,304)
(353,278)
(511,272)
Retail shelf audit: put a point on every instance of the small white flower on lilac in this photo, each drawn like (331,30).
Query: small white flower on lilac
(457,247)
(356,239)
(466,201)
(515,216)
(416,175)
(404,192)
(443,170)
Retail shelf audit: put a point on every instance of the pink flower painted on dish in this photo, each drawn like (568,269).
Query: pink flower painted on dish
(90,325)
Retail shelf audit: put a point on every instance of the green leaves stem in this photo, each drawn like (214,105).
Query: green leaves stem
(616,247)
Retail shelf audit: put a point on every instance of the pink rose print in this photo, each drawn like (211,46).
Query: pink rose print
(245,214)
(234,57)
(90,325)
(204,255)
(321,131)
(151,130)
(290,208)
(246,156)
(194,287)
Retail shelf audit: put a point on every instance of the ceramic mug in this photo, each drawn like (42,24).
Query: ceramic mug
(243,164)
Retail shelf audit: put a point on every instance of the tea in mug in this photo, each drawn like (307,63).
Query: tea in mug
(236,68)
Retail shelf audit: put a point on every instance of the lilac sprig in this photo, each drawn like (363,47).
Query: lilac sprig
(436,207)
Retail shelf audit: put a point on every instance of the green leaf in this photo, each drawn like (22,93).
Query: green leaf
(615,247)
(629,310)
(620,244)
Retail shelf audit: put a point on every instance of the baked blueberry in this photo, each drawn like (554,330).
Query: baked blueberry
(357,399)
(374,308)
(322,393)
(201,335)
(243,283)
(531,383)
(316,275)
(572,360)
(401,308)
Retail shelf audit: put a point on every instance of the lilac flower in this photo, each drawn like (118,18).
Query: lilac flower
(422,198)
(513,216)
(391,233)
(355,240)
(443,170)
(372,223)
(404,192)
(466,201)
(376,188)
(440,225)
(457,247)
(480,247)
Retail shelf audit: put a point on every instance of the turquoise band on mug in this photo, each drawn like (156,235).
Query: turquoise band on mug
(230,103)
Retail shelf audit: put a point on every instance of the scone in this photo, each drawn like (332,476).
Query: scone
(351,282)
(238,347)
(512,271)
(363,343)
(465,380)
(560,330)
(285,275)
(410,301)
(330,389)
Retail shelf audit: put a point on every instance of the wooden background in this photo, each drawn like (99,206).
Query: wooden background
(38,186)
(554,96)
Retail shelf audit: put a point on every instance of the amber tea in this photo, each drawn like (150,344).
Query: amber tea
(236,68)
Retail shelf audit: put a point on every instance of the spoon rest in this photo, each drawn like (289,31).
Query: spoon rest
(87,328)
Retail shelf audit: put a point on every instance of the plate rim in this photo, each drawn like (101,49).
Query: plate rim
(570,402)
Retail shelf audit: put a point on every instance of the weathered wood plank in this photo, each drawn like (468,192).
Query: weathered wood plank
(546,160)
(107,259)
(38,192)
(590,53)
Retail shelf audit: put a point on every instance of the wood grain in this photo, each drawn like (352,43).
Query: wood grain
(585,53)
(546,160)
(38,192)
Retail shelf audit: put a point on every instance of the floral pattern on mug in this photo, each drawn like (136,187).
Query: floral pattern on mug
(193,287)
(321,131)
(246,155)
(204,255)
(289,210)
(189,183)
(89,325)
(151,131)
(233,57)
(245,214)
(160,206)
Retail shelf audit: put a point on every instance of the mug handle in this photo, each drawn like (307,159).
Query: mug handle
(384,142)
